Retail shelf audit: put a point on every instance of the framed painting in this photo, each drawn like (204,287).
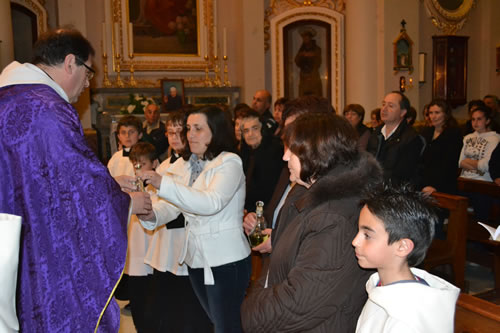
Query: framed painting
(163,35)
(172,94)
(307,59)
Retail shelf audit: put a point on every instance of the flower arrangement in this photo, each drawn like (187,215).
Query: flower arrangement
(136,105)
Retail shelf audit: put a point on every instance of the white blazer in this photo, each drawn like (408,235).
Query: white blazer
(213,209)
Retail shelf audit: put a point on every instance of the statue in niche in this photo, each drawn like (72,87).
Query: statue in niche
(308,59)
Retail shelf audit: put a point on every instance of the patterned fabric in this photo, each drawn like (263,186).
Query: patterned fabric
(197,166)
(74,215)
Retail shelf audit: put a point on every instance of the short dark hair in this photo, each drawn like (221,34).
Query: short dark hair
(405,213)
(445,107)
(280,101)
(131,121)
(404,103)
(176,118)
(306,104)
(355,108)
(223,138)
(321,141)
(376,112)
(143,149)
(475,103)
(52,47)
(495,98)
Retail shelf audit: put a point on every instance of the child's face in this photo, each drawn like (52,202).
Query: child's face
(128,136)
(174,137)
(371,242)
(146,163)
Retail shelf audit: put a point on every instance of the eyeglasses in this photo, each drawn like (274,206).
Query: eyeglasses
(90,71)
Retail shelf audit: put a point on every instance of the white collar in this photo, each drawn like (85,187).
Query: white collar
(16,73)
(384,130)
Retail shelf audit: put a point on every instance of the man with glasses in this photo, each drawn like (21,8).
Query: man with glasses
(74,215)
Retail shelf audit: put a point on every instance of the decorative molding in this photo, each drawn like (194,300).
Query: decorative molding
(449,21)
(278,7)
(160,62)
(36,6)
(332,17)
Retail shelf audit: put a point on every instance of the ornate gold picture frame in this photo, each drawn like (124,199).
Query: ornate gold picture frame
(192,31)
(449,16)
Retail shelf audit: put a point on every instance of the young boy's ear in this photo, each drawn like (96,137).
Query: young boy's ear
(155,164)
(405,246)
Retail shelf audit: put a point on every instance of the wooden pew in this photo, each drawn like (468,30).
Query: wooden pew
(476,232)
(452,250)
(475,315)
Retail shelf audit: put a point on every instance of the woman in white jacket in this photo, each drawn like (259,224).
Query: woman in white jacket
(208,187)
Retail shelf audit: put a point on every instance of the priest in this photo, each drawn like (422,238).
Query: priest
(74,214)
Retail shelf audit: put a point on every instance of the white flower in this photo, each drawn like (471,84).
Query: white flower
(145,103)
(137,97)
(131,108)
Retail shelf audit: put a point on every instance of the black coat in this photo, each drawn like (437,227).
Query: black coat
(399,155)
(262,167)
(315,283)
(157,138)
(440,159)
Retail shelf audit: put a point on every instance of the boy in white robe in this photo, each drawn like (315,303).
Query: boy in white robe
(396,227)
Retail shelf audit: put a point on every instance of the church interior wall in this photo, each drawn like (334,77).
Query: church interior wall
(370,29)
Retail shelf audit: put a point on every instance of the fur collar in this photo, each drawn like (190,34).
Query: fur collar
(343,182)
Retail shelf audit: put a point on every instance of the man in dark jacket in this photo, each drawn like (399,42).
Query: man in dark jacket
(154,130)
(396,145)
(261,154)
(261,103)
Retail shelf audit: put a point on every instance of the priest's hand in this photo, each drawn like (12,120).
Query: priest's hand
(141,203)
(127,183)
(151,177)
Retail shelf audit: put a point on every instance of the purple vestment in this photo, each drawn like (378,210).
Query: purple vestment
(74,227)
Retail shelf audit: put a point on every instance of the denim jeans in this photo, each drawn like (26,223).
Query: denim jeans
(222,301)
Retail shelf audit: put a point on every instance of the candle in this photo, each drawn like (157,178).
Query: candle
(224,40)
(421,67)
(215,41)
(130,38)
(104,42)
(117,38)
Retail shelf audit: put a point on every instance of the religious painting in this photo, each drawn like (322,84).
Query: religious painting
(164,27)
(307,58)
(172,93)
(403,46)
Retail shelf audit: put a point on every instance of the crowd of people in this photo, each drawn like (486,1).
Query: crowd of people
(166,224)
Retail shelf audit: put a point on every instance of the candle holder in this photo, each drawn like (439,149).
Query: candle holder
(119,81)
(132,81)
(226,79)
(208,83)
(217,82)
(105,81)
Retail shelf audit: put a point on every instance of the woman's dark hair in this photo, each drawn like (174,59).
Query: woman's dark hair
(360,111)
(306,104)
(475,103)
(321,141)
(223,138)
(445,107)
(376,112)
(52,47)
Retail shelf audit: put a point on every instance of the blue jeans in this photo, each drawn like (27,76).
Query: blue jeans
(222,301)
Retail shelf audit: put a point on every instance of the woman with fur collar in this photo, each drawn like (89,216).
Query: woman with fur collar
(314,283)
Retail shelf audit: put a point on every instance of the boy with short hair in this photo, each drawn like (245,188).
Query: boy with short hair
(129,132)
(396,227)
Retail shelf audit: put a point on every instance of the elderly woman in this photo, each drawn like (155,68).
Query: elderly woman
(207,186)
(355,114)
(314,282)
